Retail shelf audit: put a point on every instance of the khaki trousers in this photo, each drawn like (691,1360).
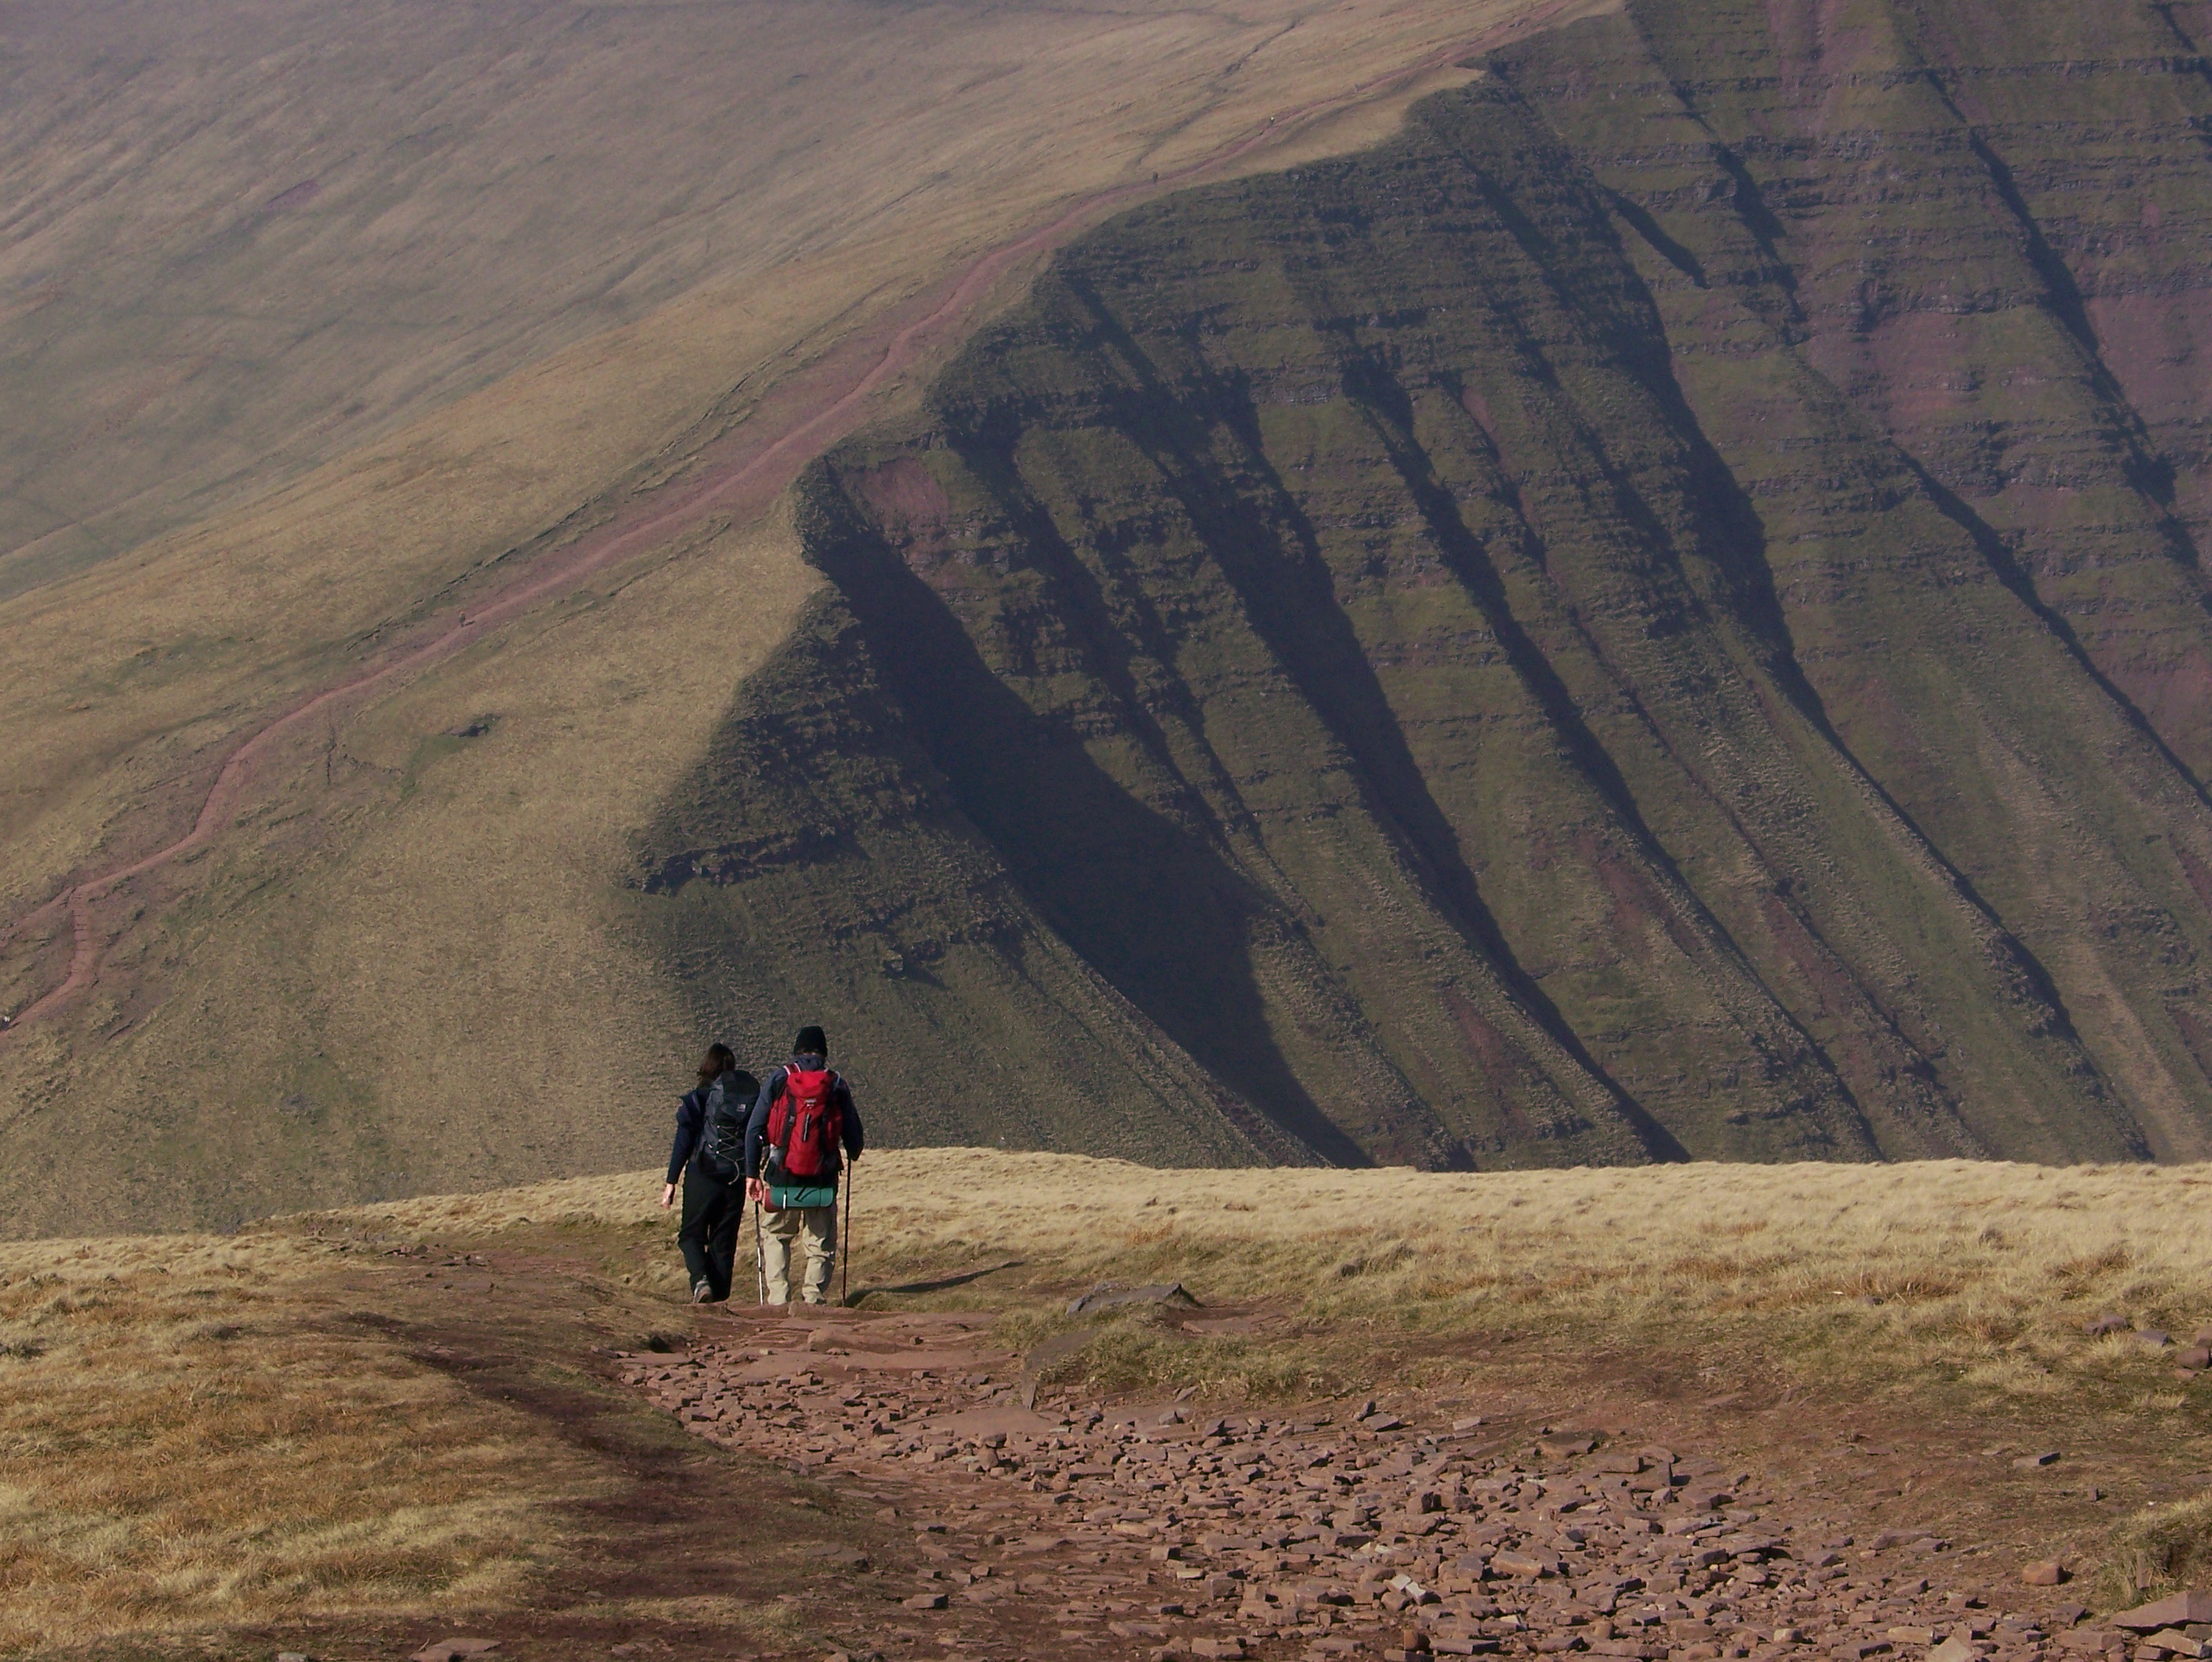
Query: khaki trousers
(817,1226)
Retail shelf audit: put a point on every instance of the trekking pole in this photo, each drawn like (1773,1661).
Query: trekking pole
(760,1256)
(845,1268)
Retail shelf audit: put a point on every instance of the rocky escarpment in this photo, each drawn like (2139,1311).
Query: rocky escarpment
(826,868)
(1658,613)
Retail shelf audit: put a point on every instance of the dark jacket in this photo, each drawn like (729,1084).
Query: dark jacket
(756,1128)
(710,1140)
(690,1125)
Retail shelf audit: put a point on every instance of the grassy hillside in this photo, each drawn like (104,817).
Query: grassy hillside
(245,243)
(1654,611)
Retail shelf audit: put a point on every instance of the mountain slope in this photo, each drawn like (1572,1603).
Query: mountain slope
(1655,612)
(1487,642)
(317,812)
(244,243)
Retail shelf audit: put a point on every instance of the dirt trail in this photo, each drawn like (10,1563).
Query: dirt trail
(1051,1526)
(756,473)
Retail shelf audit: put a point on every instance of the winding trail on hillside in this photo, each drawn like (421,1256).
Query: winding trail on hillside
(765,469)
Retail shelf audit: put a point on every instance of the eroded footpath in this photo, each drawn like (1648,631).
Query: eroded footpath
(1055,1525)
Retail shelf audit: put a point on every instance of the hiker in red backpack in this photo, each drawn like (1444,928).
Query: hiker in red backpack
(804,1127)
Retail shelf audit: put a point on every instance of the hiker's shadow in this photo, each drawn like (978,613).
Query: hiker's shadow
(942,1283)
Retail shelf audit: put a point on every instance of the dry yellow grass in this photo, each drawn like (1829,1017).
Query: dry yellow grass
(1962,1273)
(188,1438)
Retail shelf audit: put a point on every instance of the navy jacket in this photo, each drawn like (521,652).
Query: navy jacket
(690,1125)
(756,1128)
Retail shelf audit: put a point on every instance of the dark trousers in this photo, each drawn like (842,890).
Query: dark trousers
(712,1211)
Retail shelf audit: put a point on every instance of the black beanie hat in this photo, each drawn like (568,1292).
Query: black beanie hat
(811,1041)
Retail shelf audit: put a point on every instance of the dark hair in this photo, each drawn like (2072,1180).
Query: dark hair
(811,1041)
(721,1059)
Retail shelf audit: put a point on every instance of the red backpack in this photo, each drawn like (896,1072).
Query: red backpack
(804,1127)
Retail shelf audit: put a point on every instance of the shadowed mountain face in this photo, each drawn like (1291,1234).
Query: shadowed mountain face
(1659,613)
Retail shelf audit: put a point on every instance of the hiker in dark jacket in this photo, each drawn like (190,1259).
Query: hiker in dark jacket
(801,1119)
(714,1198)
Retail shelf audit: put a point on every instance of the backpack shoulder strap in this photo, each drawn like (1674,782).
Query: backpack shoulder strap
(779,1096)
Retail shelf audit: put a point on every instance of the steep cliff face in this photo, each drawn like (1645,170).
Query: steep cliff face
(823,870)
(1656,614)
(1929,273)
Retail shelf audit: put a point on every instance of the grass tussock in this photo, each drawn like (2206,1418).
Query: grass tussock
(190,1435)
(2159,1551)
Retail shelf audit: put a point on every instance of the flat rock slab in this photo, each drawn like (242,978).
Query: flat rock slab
(1110,1297)
(2177,1611)
(789,1365)
(914,1361)
(998,1419)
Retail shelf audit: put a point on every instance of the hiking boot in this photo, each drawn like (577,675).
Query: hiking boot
(702,1292)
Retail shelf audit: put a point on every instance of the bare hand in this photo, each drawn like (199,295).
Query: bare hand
(756,1190)
(667,1195)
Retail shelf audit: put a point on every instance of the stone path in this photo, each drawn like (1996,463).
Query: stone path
(1172,1529)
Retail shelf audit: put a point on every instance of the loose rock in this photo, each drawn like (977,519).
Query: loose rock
(1078,1533)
